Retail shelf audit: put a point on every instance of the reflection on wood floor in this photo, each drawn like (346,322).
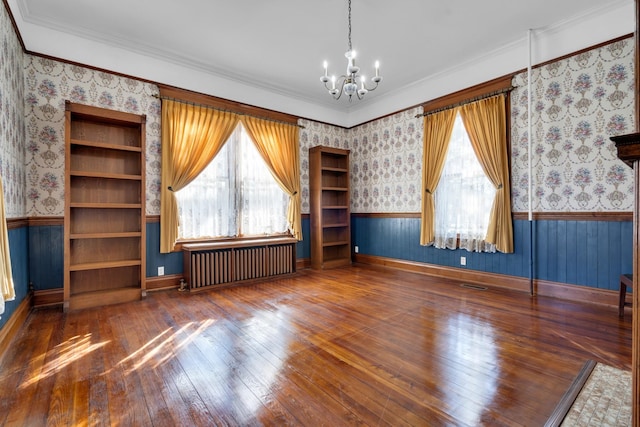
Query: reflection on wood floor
(350,346)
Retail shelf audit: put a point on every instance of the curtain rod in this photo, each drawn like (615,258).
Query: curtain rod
(182,101)
(467,101)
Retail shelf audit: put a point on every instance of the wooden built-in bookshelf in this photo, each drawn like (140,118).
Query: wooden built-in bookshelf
(330,207)
(104,222)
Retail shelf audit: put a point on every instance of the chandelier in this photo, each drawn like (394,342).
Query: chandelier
(348,82)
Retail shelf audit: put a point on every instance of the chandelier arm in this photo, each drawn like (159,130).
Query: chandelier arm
(338,89)
(372,88)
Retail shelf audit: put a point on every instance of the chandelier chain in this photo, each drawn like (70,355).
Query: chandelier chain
(350,48)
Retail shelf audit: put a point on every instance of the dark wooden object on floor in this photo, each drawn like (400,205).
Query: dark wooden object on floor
(347,346)
(626,281)
(329,201)
(104,218)
(628,148)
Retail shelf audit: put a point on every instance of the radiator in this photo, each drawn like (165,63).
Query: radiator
(208,265)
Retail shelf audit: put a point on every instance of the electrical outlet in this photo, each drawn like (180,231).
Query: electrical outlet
(356,249)
(463,260)
(161,271)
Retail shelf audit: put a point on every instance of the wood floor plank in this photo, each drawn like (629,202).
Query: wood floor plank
(69,352)
(122,391)
(35,411)
(94,368)
(19,376)
(165,408)
(358,345)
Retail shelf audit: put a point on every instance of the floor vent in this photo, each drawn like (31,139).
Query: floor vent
(476,287)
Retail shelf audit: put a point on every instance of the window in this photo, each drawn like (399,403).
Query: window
(235,195)
(463,198)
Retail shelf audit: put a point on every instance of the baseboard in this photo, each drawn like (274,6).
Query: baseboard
(51,297)
(302,263)
(540,287)
(160,283)
(14,324)
(48,297)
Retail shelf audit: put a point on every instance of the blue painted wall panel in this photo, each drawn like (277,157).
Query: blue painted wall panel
(571,243)
(172,262)
(580,251)
(587,253)
(46,256)
(555,242)
(303,248)
(19,251)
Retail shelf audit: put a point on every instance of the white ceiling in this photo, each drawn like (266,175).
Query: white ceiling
(270,53)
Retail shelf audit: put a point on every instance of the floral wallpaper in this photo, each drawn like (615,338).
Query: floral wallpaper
(48,84)
(312,134)
(385,161)
(386,164)
(578,104)
(12,169)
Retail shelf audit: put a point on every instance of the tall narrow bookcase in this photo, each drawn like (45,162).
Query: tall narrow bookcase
(330,210)
(104,221)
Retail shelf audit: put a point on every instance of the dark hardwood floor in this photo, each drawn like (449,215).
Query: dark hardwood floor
(350,346)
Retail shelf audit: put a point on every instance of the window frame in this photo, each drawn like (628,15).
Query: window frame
(188,96)
(240,133)
(435,195)
(500,85)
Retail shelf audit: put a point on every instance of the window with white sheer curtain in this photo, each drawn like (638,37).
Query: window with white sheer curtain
(234,196)
(463,198)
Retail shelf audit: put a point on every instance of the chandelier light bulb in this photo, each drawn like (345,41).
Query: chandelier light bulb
(324,79)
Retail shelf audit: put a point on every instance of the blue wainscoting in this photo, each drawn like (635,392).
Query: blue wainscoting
(587,253)
(19,250)
(172,262)
(303,248)
(46,256)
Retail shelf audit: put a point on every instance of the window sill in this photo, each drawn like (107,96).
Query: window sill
(235,241)
(238,243)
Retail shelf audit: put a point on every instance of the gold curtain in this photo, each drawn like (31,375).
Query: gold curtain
(7,289)
(277,143)
(437,133)
(485,121)
(192,135)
